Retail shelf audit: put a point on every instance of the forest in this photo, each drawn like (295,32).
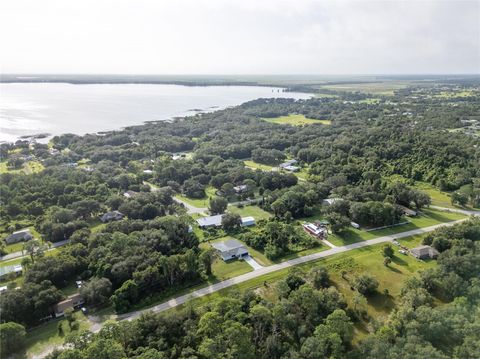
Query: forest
(368,160)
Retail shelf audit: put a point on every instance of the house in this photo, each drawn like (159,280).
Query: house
(230,249)
(408,212)
(424,252)
(111,216)
(23,235)
(130,194)
(330,201)
(6,270)
(288,163)
(355,225)
(291,168)
(210,221)
(315,230)
(248,221)
(240,189)
(74,301)
(148,172)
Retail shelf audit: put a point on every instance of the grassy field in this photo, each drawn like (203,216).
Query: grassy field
(429,217)
(29,167)
(296,120)
(253,211)
(354,263)
(46,335)
(376,88)
(258,166)
(199,202)
(439,198)
(14,247)
(455,94)
(222,270)
(11,262)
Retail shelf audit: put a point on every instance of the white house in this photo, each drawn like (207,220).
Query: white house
(314,230)
(248,221)
(230,249)
(210,221)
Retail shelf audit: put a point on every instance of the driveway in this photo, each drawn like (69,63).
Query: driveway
(252,262)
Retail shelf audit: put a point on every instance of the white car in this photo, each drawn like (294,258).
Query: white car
(403,251)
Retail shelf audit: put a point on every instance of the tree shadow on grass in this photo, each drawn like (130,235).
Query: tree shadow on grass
(381,302)
(399,261)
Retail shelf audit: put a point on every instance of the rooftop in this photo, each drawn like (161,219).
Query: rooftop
(210,221)
(227,245)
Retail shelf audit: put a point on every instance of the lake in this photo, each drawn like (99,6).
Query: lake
(55,108)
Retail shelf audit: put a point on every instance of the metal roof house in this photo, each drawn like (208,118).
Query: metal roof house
(330,201)
(291,168)
(112,216)
(23,235)
(210,221)
(288,163)
(315,230)
(230,249)
(240,189)
(408,212)
(17,269)
(74,301)
(248,221)
(130,194)
(424,252)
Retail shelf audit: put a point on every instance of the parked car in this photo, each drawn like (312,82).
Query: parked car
(403,251)
(84,310)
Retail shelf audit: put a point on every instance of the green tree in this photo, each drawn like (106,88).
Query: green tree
(365,284)
(218,205)
(387,251)
(12,337)
(319,277)
(231,221)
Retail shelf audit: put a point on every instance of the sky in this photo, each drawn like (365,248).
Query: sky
(240,36)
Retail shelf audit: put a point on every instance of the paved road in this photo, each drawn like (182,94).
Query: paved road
(191,209)
(21,254)
(96,325)
(467,212)
(276,267)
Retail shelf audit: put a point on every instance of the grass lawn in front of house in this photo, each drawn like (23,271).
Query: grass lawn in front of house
(250,211)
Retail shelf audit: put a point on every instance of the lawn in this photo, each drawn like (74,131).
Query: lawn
(253,211)
(353,263)
(14,247)
(258,256)
(376,88)
(46,335)
(296,120)
(222,270)
(28,167)
(439,198)
(199,202)
(258,166)
(429,217)
(15,261)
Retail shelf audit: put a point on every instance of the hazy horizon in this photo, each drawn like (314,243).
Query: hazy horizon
(240,38)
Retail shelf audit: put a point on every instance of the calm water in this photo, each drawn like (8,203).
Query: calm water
(56,108)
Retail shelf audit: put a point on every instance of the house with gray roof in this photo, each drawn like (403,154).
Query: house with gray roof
(424,252)
(6,270)
(23,235)
(230,249)
(210,221)
(111,216)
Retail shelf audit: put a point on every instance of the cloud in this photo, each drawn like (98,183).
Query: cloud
(239,36)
